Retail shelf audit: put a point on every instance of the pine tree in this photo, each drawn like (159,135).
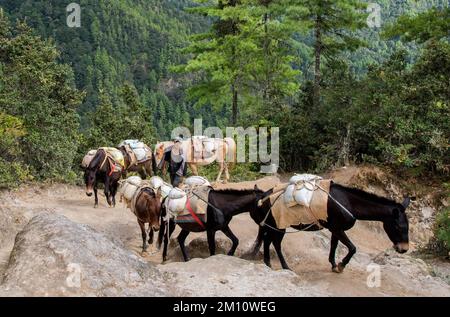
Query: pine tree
(425,26)
(40,92)
(332,22)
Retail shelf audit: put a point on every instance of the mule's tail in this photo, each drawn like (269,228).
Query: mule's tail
(230,155)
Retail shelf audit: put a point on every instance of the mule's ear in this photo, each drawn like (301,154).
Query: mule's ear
(406,202)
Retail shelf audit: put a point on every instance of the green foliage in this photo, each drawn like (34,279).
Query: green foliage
(407,113)
(242,62)
(12,172)
(40,92)
(443,228)
(110,125)
(252,57)
(431,24)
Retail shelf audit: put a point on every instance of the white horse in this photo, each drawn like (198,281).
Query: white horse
(201,151)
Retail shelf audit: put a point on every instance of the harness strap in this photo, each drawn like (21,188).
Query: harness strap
(113,167)
(191,211)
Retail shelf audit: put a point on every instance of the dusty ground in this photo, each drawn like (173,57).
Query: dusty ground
(307,253)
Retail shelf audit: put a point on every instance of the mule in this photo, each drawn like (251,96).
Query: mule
(144,169)
(225,151)
(100,171)
(229,202)
(148,210)
(360,204)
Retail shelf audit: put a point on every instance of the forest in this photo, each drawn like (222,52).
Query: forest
(342,90)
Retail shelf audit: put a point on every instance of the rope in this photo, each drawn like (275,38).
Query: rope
(263,223)
(315,186)
(296,231)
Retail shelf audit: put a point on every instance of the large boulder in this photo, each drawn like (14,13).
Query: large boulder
(54,256)
(226,276)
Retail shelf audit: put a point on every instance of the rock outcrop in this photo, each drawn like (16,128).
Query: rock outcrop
(54,256)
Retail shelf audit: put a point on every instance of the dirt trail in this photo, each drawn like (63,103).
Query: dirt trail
(307,253)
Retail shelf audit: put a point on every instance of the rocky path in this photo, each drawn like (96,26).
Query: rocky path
(307,253)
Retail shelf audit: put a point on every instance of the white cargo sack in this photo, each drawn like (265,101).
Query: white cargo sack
(301,189)
(196,181)
(165,190)
(130,186)
(209,145)
(140,153)
(156,182)
(176,200)
(134,180)
(176,193)
(88,158)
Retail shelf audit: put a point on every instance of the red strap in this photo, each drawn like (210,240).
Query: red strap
(189,208)
(113,166)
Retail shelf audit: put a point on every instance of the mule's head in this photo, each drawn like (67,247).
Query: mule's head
(261,197)
(397,227)
(89,180)
(154,209)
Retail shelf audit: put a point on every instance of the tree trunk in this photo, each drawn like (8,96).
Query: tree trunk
(317,56)
(266,54)
(234,105)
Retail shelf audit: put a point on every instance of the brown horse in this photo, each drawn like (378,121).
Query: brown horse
(100,170)
(224,151)
(147,210)
(146,168)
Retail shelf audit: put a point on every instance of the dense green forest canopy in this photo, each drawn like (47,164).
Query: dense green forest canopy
(139,68)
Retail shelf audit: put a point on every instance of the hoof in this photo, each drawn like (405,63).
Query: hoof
(144,254)
(95,206)
(339,268)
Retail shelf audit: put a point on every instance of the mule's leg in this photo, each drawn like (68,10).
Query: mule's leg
(220,171)
(181,238)
(332,257)
(107,191)
(162,229)
(277,237)
(142,172)
(193,168)
(258,242)
(150,235)
(171,229)
(113,193)
(95,196)
(351,251)
(267,242)
(227,174)
(148,168)
(144,236)
(233,239)
(211,234)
